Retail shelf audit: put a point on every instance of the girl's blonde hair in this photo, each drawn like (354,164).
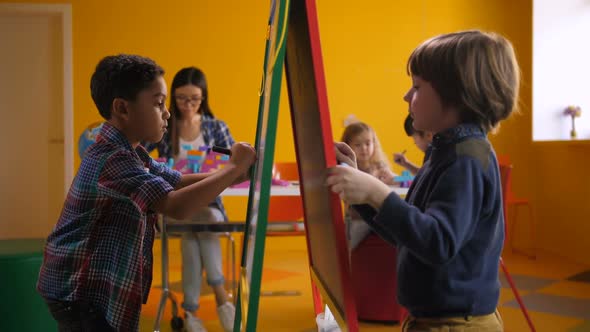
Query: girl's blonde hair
(473,71)
(378,160)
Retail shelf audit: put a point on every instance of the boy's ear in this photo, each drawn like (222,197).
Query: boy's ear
(120,108)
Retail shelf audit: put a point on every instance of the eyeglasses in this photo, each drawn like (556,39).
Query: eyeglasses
(192,99)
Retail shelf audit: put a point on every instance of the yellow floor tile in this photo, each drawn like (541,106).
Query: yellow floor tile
(514,321)
(546,265)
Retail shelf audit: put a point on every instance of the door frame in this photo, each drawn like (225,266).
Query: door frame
(64,13)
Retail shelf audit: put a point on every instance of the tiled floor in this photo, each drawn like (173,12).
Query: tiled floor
(556,292)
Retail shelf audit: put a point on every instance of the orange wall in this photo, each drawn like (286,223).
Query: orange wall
(365,48)
(562,197)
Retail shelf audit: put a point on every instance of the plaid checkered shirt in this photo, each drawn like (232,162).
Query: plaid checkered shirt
(100,251)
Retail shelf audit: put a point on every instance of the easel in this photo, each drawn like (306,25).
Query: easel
(326,244)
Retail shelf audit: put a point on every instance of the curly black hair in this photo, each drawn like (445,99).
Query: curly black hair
(121,76)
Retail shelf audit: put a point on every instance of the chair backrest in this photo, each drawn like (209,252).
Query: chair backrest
(506,181)
(503,159)
(287,171)
(504,162)
(288,209)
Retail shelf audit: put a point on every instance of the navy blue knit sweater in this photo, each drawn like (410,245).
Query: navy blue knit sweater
(450,229)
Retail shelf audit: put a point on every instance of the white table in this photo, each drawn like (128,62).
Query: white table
(290,190)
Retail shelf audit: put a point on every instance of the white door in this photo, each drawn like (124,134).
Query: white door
(32,131)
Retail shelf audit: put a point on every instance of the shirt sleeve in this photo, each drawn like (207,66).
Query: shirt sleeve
(448,221)
(125,174)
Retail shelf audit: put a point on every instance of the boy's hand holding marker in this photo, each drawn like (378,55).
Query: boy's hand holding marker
(344,154)
(242,156)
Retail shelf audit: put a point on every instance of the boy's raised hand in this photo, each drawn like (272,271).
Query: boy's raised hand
(357,187)
(344,154)
(243,155)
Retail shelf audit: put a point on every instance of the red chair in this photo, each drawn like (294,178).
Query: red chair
(285,213)
(505,173)
(374,280)
(512,204)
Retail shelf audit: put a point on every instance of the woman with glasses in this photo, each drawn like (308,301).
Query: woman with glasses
(191,126)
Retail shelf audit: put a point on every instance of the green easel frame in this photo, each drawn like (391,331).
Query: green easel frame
(259,194)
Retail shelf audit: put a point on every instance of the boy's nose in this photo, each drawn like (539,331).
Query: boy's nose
(408,95)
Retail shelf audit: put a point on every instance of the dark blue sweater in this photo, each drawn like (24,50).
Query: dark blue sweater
(450,231)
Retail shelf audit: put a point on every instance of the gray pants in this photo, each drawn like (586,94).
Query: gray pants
(200,251)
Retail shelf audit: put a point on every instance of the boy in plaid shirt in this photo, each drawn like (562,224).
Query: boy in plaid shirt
(97,265)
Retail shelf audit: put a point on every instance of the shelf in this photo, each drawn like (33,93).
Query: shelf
(566,143)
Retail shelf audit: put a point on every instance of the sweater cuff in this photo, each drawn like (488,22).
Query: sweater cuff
(387,220)
(391,207)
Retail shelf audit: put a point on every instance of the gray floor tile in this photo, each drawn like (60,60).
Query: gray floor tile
(525,282)
(557,305)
